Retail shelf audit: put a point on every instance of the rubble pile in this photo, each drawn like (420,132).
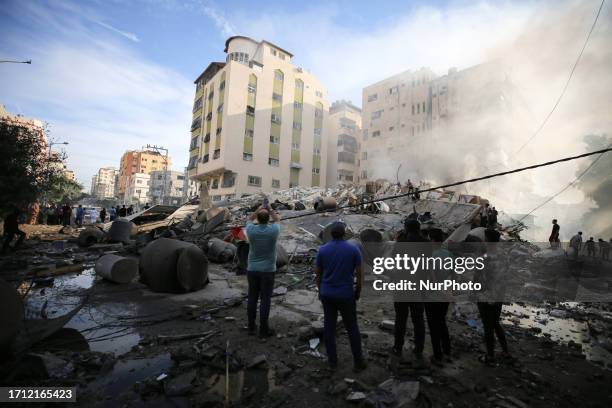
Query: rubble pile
(150,308)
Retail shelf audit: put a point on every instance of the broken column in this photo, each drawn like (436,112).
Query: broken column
(117,268)
(220,251)
(90,236)
(120,230)
(169,265)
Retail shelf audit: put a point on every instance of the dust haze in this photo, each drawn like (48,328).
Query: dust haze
(503,101)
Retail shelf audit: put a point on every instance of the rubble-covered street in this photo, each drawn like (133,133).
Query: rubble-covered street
(123,344)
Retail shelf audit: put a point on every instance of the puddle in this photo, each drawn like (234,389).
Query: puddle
(561,329)
(127,372)
(243,384)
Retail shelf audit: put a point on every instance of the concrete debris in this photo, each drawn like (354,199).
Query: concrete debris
(117,268)
(90,236)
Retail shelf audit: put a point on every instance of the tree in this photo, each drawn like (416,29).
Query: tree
(63,190)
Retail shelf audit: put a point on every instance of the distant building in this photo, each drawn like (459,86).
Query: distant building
(258,123)
(343,144)
(166,187)
(69,174)
(103,183)
(190,187)
(138,190)
(138,161)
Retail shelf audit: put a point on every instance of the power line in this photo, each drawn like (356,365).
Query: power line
(472,180)
(564,188)
(586,41)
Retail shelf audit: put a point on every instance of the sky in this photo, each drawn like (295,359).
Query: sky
(109,75)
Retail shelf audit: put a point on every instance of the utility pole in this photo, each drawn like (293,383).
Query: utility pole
(160,149)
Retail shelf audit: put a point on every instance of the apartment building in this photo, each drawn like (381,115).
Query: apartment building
(138,161)
(258,123)
(343,144)
(166,187)
(103,183)
(393,111)
(138,189)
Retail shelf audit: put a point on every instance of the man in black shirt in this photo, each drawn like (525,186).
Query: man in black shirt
(11,228)
(554,235)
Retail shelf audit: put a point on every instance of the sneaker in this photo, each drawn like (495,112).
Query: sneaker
(265,333)
(360,365)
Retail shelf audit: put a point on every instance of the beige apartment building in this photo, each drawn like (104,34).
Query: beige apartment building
(139,161)
(343,144)
(258,123)
(103,183)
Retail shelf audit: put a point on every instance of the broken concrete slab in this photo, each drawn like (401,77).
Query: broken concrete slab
(116,268)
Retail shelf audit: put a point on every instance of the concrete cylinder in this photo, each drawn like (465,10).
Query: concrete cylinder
(325,203)
(11,316)
(370,235)
(90,236)
(220,251)
(170,265)
(120,230)
(117,268)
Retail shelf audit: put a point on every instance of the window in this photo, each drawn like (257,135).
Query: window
(318,113)
(196,123)
(364,174)
(278,75)
(254,181)
(316,170)
(297,125)
(252,88)
(376,133)
(220,108)
(277,97)
(273,162)
(197,104)
(211,94)
(249,133)
(215,184)
(207,138)
(413,131)
(418,108)
(297,105)
(281,55)
(316,151)
(275,118)
(273,51)
(222,85)
(228,179)
(216,154)
(377,114)
(247,156)
(319,94)
(295,146)
(274,139)
(372,98)
(393,90)
(317,131)
(423,107)
(250,110)
(299,84)
(275,183)
(216,198)
(205,158)
(218,131)
(365,134)
(364,155)
(138,181)
(209,116)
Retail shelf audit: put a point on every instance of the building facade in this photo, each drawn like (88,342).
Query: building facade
(138,161)
(258,123)
(138,190)
(166,187)
(343,144)
(103,183)
(191,188)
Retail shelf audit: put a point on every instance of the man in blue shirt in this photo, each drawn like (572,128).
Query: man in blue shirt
(336,265)
(261,267)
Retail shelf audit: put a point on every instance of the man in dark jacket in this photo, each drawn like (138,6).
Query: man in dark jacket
(11,228)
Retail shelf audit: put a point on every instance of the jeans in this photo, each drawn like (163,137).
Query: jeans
(416,310)
(348,311)
(261,285)
(436,320)
(490,314)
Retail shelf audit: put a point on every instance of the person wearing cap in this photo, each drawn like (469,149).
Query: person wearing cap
(411,233)
(261,267)
(338,262)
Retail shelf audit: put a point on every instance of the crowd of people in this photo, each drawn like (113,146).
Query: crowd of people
(591,248)
(339,278)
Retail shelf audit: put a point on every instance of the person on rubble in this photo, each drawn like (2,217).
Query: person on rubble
(484,215)
(66,213)
(261,267)
(554,235)
(490,301)
(492,218)
(576,244)
(11,228)
(338,262)
(437,309)
(416,309)
(590,247)
(80,213)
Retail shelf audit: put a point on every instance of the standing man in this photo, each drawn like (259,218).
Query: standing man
(411,233)
(261,267)
(66,213)
(130,210)
(102,214)
(11,228)
(590,247)
(337,264)
(576,243)
(123,211)
(80,213)
(554,235)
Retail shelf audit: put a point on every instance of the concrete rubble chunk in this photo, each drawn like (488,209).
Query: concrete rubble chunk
(404,392)
(117,268)
(121,230)
(180,385)
(220,251)
(257,361)
(356,396)
(90,236)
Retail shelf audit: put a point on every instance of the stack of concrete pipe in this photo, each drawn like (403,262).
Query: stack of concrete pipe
(116,268)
